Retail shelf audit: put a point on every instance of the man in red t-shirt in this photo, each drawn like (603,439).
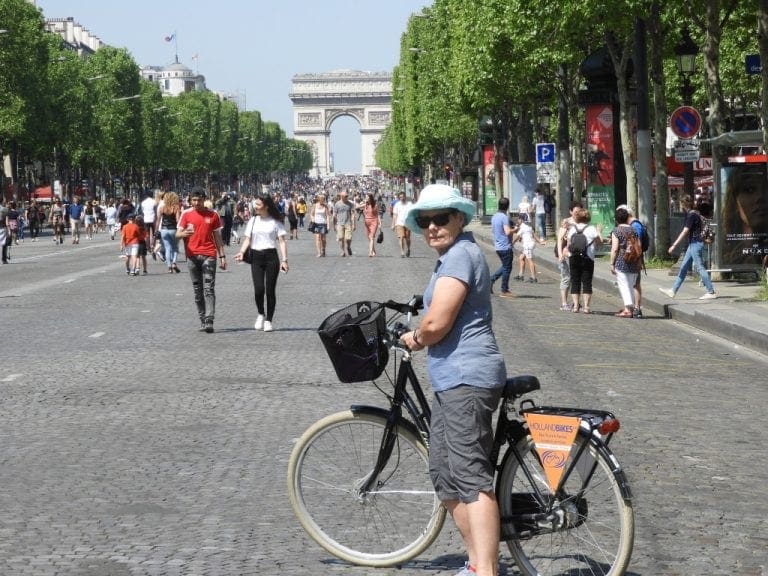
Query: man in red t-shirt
(200,228)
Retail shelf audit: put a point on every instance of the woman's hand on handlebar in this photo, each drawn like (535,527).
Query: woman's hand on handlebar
(409,340)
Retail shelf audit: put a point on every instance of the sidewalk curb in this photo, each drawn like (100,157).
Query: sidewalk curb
(731,317)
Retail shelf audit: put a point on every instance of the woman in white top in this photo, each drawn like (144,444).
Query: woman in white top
(582,265)
(318,223)
(264,233)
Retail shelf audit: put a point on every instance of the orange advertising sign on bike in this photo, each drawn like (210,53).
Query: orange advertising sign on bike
(553,437)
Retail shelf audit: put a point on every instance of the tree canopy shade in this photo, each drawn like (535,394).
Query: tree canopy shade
(504,61)
(96,119)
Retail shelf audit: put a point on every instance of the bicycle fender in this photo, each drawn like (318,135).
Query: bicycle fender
(384,413)
(616,469)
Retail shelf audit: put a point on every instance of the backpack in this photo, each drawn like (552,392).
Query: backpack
(633,250)
(578,244)
(645,240)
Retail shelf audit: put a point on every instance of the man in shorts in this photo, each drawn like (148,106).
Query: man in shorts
(399,213)
(344,222)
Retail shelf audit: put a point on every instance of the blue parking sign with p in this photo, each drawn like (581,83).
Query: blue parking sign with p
(545,153)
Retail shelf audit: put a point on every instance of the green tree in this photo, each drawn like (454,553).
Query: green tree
(24,55)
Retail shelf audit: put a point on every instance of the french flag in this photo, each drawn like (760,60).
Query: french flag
(170,38)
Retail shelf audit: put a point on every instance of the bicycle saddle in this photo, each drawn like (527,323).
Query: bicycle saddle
(519,385)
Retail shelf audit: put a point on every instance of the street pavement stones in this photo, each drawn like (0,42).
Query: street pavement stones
(132,444)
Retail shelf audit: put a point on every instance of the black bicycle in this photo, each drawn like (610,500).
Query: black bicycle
(358,480)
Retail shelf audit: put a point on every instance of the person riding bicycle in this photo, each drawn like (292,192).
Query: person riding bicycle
(466,369)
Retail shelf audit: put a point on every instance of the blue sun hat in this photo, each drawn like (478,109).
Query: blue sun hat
(439,197)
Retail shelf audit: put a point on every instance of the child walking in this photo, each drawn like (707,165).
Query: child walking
(525,236)
(130,239)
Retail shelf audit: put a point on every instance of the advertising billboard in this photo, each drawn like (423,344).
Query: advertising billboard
(744,213)
(601,191)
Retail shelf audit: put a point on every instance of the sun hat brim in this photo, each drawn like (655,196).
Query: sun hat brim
(439,197)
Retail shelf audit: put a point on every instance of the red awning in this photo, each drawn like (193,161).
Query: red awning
(43,193)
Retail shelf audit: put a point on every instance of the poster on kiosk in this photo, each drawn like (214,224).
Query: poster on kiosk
(491,202)
(601,190)
(744,214)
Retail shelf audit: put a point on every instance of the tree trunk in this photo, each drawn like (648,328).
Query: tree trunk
(716,117)
(762,41)
(620,55)
(656,36)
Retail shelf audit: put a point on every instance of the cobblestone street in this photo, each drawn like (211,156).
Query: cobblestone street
(135,445)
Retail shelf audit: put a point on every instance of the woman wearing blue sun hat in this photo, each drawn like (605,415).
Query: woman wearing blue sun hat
(466,369)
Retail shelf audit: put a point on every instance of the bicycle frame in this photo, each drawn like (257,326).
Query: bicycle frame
(417,408)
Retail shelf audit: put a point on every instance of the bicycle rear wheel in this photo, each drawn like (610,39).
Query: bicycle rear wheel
(587,529)
(393,522)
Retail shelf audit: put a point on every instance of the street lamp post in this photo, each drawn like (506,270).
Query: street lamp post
(685,55)
(545,121)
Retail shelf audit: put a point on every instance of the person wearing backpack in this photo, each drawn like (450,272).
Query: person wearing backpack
(692,229)
(582,238)
(561,251)
(642,233)
(626,259)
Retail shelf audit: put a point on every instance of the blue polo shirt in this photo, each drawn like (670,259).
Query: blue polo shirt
(469,353)
(500,240)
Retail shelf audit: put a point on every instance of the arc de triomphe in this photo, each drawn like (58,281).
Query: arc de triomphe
(319,99)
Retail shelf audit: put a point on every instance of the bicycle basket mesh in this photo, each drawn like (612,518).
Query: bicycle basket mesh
(352,338)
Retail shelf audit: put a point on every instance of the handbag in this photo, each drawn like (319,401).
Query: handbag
(380,236)
(248,256)
(311,227)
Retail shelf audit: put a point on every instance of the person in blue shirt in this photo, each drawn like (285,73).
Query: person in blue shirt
(466,369)
(76,215)
(502,241)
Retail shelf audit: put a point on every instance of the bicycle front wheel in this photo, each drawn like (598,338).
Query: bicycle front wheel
(394,521)
(585,529)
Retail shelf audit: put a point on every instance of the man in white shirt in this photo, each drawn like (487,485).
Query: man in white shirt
(149,212)
(399,213)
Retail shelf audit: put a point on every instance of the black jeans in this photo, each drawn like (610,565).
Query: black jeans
(265,268)
(202,270)
(582,271)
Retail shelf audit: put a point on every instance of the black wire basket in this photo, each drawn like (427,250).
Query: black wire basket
(354,340)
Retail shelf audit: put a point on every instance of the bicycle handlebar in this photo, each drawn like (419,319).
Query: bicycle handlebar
(411,307)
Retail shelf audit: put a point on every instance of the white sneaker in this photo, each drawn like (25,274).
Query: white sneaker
(708,296)
(668,292)
(267,326)
(259,322)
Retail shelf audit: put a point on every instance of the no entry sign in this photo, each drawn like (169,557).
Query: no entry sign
(685,122)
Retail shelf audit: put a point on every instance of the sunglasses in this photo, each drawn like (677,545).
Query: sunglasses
(440,219)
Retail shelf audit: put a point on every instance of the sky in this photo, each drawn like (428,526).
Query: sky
(255,47)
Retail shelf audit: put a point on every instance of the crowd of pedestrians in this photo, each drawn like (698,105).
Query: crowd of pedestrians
(150,228)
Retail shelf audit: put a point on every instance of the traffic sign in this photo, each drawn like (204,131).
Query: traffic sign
(685,122)
(546,173)
(545,153)
(686,150)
